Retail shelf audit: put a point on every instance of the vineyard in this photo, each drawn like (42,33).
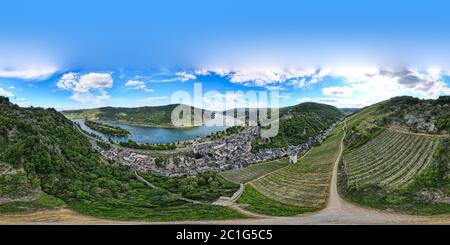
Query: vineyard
(255,171)
(306,183)
(391,159)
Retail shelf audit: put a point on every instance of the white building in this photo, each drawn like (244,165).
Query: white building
(293,157)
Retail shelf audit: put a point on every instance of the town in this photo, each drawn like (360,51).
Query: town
(230,152)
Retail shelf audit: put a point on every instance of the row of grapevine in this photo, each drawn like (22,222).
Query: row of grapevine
(391,159)
(305,183)
(254,171)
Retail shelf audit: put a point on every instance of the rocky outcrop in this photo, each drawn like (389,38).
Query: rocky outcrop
(15,186)
(436,196)
(33,196)
(421,123)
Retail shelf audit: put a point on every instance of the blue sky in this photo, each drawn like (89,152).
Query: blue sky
(83,54)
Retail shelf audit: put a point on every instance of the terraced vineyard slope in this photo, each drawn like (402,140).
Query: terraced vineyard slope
(397,157)
(306,183)
(391,159)
(255,171)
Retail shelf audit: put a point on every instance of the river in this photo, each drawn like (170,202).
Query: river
(156,135)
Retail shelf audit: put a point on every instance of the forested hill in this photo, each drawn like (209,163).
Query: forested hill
(349,111)
(148,115)
(301,121)
(47,146)
(312,107)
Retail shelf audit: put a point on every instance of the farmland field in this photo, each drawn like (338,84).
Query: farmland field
(255,171)
(306,183)
(391,159)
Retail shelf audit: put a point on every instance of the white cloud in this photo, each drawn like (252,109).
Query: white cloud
(138,85)
(371,82)
(184,76)
(265,76)
(275,87)
(5,93)
(28,73)
(144,87)
(298,83)
(365,86)
(84,83)
(202,72)
(269,77)
(219,71)
(67,81)
(168,77)
(386,82)
(134,83)
(259,77)
(87,88)
(93,81)
(427,84)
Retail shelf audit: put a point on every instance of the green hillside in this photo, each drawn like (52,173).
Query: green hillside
(159,116)
(301,121)
(48,155)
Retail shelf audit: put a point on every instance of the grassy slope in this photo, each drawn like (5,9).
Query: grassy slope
(304,185)
(43,202)
(259,203)
(254,171)
(206,187)
(152,205)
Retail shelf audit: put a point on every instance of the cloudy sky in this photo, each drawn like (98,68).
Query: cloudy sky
(80,54)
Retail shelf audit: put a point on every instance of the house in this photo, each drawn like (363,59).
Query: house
(293,157)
